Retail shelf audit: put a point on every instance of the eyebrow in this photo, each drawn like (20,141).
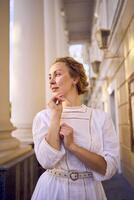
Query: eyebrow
(55,71)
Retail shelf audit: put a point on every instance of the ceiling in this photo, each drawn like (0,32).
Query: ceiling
(79,18)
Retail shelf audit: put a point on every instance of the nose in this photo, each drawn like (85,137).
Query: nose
(52,81)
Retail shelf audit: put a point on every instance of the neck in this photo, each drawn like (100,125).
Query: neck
(72,101)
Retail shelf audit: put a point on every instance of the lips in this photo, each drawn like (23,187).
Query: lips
(54,88)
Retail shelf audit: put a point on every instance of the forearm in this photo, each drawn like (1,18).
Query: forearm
(90,159)
(53,132)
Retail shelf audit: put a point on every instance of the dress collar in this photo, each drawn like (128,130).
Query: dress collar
(81,108)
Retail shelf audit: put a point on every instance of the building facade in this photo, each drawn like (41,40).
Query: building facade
(114,81)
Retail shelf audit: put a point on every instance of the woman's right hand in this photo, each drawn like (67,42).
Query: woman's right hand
(53,137)
(55,104)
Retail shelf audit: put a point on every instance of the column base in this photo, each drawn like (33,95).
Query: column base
(23,135)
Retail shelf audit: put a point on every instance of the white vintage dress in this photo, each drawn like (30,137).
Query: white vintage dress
(93,130)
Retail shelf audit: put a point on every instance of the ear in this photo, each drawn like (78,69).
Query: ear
(75,80)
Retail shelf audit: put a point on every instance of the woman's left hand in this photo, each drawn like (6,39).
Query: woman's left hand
(66,133)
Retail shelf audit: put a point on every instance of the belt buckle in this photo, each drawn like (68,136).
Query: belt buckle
(74,176)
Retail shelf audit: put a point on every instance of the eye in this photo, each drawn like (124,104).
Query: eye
(57,74)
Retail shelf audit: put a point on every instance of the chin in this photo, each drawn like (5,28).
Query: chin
(55,93)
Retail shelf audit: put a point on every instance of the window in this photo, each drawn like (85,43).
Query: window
(131,106)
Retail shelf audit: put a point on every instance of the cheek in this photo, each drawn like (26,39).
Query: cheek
(60,80)
(64,82)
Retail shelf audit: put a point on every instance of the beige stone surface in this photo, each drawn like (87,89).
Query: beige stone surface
(125,155)
(9,155)
(120,135)
(129,64)
(120,76)
(5,135)
(124,114)
(123,94)
(113,68)
(132,160)
(117,42)
(125,135)
(129,39)
(9,143)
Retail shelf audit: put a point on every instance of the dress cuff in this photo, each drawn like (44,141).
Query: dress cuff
(110,170)
(49,156)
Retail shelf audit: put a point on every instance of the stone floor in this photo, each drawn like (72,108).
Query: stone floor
(118,188)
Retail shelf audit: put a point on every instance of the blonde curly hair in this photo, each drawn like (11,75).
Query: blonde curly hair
(76,70)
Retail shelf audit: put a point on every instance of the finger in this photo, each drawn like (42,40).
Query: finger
(65,129)
(61,134)
(65,125)
(56,100)
(64,133)
(62,137)
(60,96)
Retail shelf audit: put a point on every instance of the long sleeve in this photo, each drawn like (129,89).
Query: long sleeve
(110,149)
(47,156)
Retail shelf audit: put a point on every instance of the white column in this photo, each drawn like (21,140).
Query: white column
(55,39)
(28,75)
(50,40)
(62,46)
(9,146)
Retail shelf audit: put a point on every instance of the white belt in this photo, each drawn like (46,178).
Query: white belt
(72,174)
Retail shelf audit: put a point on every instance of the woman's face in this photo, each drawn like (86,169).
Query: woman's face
(61,83)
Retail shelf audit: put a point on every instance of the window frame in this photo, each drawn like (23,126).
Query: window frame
(131,94)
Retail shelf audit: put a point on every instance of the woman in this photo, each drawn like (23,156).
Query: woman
(77,145)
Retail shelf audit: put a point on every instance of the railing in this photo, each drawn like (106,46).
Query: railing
(18,178)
